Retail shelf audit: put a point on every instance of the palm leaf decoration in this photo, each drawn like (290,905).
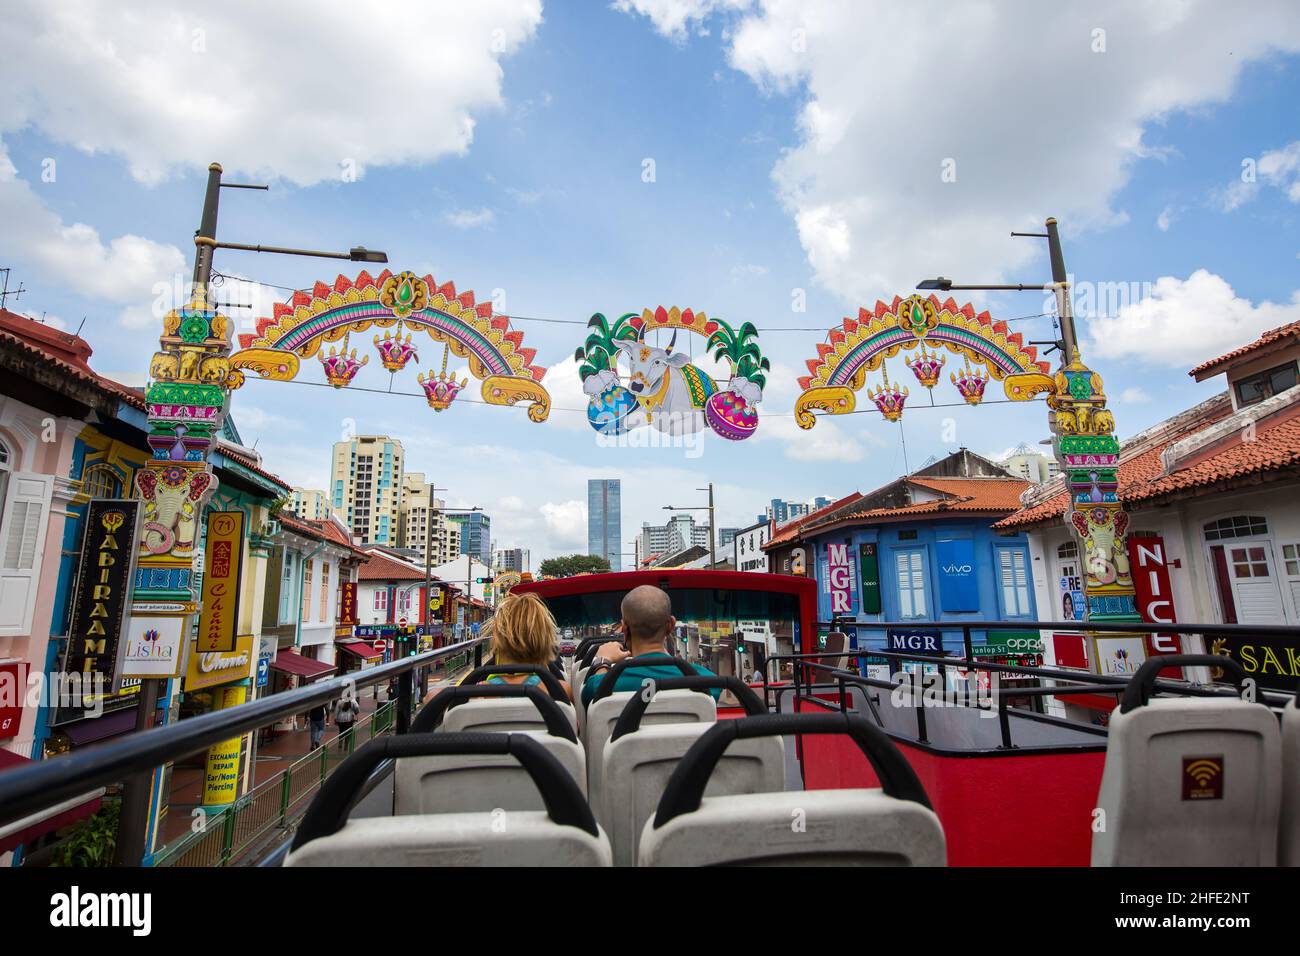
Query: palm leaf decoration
(741,349)
(597,353)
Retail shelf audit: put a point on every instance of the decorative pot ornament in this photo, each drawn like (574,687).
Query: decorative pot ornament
(394,353)
(970,383)
(340,367)
(441,391)
(888,398)
(926,366)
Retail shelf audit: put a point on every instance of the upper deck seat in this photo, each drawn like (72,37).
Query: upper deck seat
(862,827)
(484,781)
(565,833)
(493,715)
(669,707)
(1189,781)
(637,762)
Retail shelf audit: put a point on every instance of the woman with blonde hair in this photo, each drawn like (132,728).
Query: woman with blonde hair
(522,631)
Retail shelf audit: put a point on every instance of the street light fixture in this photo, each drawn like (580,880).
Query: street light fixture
(1060,284)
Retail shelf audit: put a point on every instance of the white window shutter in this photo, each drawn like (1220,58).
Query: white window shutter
(22,549)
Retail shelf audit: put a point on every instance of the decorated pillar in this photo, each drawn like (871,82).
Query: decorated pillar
(1088,454)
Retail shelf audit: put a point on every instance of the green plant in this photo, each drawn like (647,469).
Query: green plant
(741,349)
(597,353)
(92,841)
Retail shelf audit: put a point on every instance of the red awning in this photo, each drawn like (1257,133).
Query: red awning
(287,662)
(361,649)
(47,820)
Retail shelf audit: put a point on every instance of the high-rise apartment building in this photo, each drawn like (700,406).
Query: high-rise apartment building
(511,559)
(422,511)
(366,487)
(605,520)
(310,504)
(681,532)
(1025,461)
(475,535)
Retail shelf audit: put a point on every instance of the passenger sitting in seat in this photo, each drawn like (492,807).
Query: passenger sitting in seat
(647,623)
(522,631)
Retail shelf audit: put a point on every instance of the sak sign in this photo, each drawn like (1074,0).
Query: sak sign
(223,558)
(1274,663)
(104,576)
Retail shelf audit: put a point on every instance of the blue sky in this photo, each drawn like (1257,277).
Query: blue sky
(794,148)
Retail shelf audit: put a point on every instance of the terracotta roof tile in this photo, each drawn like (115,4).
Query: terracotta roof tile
(790,530)
(1276,446)
(1203,370)
(380,567)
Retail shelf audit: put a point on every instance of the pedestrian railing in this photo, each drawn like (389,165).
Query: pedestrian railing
(228,835)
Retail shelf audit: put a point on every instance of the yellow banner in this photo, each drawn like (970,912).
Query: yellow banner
(223,558)
(221,774)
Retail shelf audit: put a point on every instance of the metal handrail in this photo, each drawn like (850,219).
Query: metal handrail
(46,782)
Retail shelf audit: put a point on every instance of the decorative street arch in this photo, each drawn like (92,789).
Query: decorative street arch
(1084,429)
(394,303)
(664,390)
(928,328)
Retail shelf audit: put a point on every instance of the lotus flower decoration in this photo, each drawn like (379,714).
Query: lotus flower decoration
(341,367)
(926,366)
(440,390)
(970,383)
(395,352)
(888,398)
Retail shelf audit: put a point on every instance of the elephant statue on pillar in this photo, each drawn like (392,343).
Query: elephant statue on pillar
(172,496)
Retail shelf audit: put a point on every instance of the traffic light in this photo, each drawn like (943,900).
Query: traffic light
(482,580)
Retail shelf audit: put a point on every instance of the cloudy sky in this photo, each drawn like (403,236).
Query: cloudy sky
(765,160)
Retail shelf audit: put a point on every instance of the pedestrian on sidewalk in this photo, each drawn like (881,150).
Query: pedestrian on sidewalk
(346,712)
(316,724)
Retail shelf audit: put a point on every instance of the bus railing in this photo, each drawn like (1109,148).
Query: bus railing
(45,783)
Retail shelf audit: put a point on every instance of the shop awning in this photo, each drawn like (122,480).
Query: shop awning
(361,649)
(88,730)
(287,662)
(47,820)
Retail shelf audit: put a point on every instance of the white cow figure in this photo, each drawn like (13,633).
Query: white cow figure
(661,381)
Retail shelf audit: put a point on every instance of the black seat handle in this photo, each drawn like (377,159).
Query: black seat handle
(686,786)
(432,713)
(1140,685)
(328,812)
(606,686)
(629,721)
(543,671)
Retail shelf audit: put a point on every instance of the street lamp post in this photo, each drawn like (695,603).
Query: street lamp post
(713,530)
(1085,446)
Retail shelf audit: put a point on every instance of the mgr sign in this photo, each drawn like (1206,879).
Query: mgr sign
(839,575)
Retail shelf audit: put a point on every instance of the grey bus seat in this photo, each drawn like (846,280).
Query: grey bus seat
(501,716)
(638,761)
(564,834)
(894,826)
(670,707)
(1190,781)
(1289,847)
(605,690)
(484,781)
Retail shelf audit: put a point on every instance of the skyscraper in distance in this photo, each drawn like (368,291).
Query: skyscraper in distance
(604,520)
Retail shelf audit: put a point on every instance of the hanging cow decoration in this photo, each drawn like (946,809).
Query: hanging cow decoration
(663,389)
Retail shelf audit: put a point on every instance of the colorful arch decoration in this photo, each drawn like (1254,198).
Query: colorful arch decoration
(470,330)
(929,329)
(664,391)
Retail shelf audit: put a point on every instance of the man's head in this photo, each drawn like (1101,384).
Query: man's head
(647,617)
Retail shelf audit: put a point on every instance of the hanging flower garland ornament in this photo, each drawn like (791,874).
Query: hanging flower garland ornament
(663,389)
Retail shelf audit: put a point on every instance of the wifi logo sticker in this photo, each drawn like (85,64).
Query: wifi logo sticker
(1203,778)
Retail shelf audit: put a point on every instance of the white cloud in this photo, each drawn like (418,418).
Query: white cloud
(1279,168)
(566,521)
(675,18)
(1184,322)
(896,94)
(470,218)
(1134,396)
(303,91)
(122,270)
(1165,218)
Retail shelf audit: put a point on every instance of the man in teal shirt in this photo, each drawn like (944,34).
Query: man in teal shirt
(647,621)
